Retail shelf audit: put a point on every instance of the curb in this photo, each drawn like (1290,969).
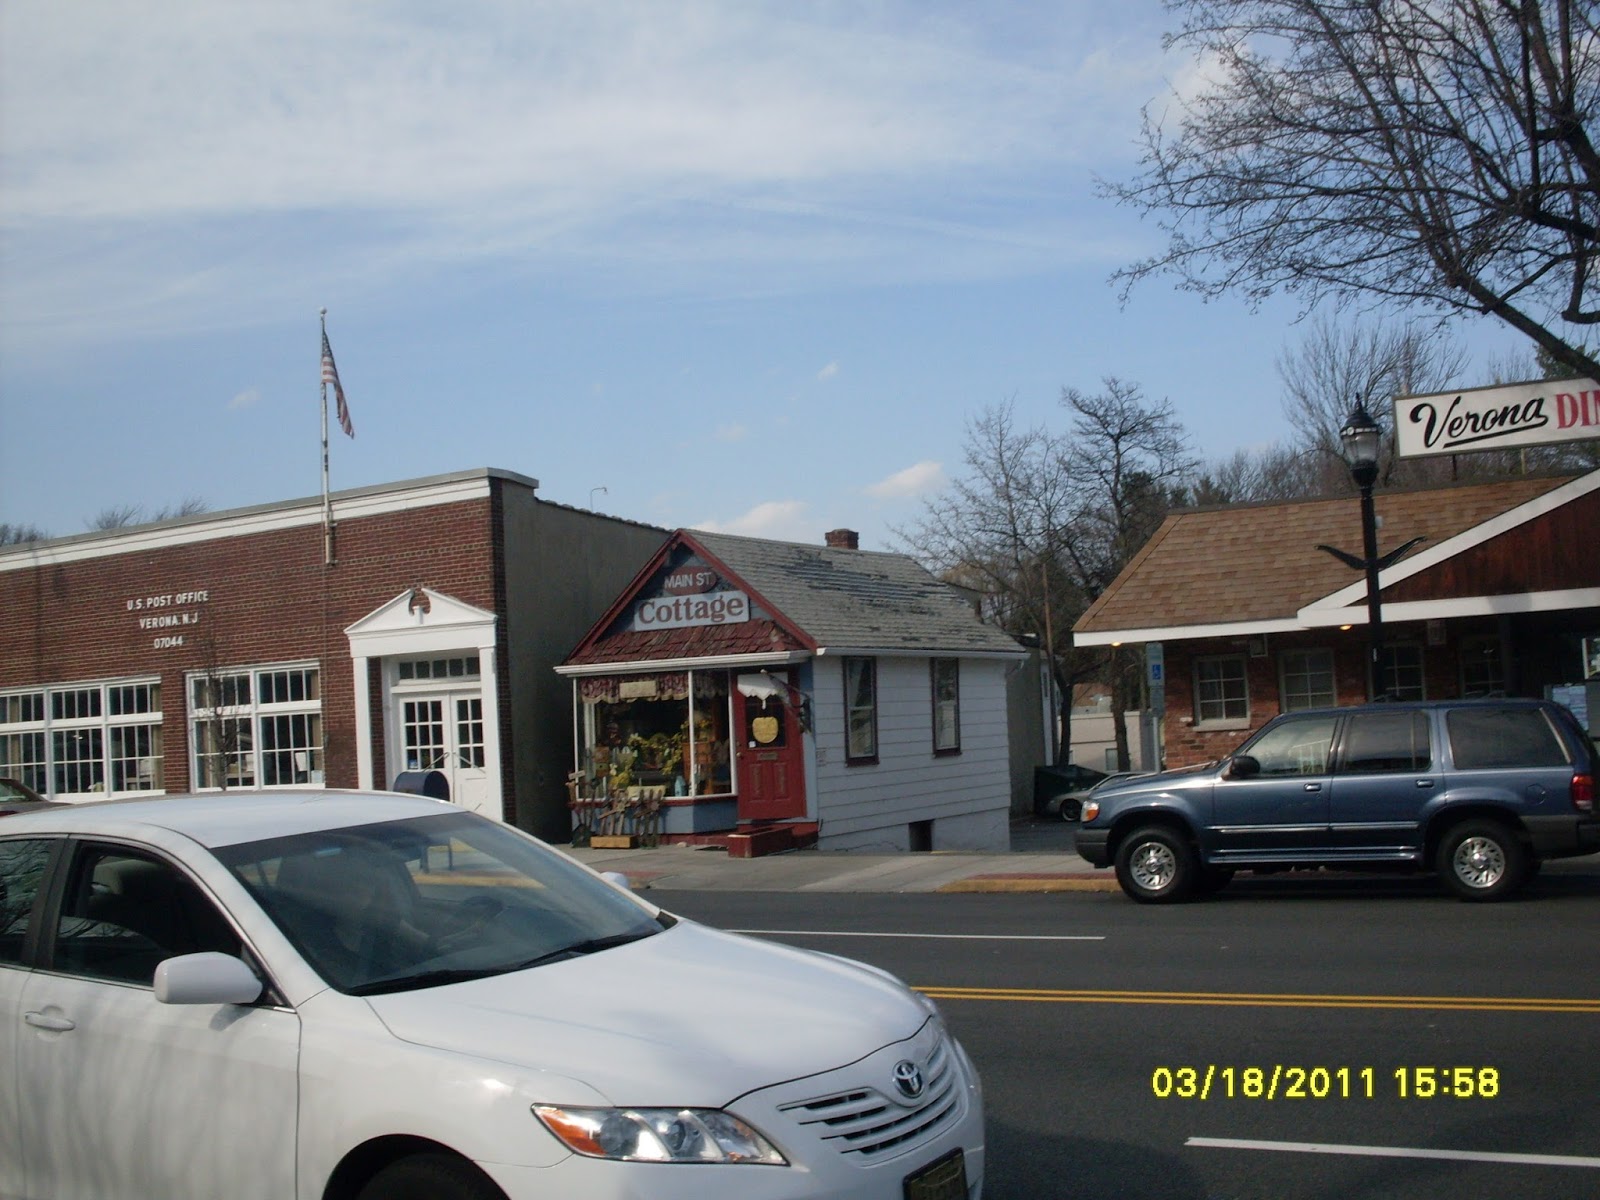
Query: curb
(1030,883)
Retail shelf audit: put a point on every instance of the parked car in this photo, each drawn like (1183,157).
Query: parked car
(1480,791)
(1053,784)
(382,997)
(1071,805)
(17,797)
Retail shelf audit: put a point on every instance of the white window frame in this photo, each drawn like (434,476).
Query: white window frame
(42,719)
(1302,696)
(1224,719)
(862,717)
(1390,668)
(946,711)
(262,719)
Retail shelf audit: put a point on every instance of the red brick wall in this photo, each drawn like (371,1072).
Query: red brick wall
(269,599)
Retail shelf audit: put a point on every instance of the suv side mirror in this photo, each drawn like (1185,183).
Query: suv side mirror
(1242,766)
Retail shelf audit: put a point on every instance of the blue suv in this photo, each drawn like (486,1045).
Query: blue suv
(1480,791)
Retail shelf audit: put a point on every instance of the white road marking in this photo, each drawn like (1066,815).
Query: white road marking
(1535,1160)
(950,937)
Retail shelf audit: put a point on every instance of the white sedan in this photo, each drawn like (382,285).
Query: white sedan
(359,996)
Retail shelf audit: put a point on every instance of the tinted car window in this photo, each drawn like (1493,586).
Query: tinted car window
(124,913)
(1503,737)
(1388,741)
(1295,747)
(22,863)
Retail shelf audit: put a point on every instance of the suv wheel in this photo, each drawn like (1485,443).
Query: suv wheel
(1156,866)
(1482,860)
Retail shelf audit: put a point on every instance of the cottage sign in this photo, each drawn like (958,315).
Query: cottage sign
(682,612)
(1497,418)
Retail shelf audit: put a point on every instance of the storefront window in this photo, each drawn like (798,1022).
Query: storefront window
(257,728)
(668,730)
(95,740)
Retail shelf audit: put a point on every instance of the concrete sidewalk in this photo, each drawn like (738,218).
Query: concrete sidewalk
(1042,859)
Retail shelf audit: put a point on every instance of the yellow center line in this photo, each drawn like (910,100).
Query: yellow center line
(1267,1000)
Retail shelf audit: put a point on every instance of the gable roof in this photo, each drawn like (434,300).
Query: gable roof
(806,600)
(1256,568)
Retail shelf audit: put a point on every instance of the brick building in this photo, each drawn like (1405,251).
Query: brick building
(224,651)
(1502,597)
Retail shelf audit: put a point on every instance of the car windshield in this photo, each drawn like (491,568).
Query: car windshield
(415,903)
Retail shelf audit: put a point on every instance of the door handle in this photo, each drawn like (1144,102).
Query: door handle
(1425,783)
(1313,787)
(54,1024)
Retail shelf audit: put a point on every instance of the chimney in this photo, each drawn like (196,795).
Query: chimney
(843,539)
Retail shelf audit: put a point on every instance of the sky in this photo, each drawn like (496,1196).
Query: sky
(724,264)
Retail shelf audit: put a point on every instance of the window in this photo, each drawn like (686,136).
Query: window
(84,740)
(1391,741)
(1298,746)
(1480,667)
(861,710)
(1400,672)
(257,728)
(22,863)
(124,913)
(1221,692)
(945,674)
(1485,738)
(1307,679)
(466,667)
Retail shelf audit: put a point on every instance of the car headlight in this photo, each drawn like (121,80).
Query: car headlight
(677,1135)
(1091,810)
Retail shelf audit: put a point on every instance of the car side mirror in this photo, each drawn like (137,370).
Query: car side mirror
(206,978)
(1243,766)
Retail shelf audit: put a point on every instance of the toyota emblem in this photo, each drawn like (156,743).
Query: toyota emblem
(908,1078)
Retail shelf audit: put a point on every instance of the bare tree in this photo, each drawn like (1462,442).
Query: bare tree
(1253,476)
(121,516)
(1336,365)
(16,535)
(1428,154)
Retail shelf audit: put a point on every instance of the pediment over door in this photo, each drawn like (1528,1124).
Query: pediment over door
(421,621)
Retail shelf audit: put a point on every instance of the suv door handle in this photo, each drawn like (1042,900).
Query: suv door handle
(1313,787)
(54,1024)
(1425,783)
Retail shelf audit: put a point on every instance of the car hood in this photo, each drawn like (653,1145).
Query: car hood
(690,1016)
(1179,777)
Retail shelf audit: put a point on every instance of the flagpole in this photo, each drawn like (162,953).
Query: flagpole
(327,505)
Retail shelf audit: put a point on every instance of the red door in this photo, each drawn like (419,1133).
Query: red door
(771,771)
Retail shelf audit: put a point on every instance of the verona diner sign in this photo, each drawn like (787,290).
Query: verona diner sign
(1497,418)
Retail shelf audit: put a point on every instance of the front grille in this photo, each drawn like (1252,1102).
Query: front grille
(867,1125)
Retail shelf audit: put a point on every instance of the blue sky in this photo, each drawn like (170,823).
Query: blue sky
(744,266)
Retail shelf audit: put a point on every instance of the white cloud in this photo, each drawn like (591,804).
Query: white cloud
(828,372)
(245,399)
(913,481)
(782,520)
(732,433)
(221,162)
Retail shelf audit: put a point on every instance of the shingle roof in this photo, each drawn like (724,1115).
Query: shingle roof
(1260,562)
(819,598)
(859,599)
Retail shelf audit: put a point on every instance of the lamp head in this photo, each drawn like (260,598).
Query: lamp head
(1362,438)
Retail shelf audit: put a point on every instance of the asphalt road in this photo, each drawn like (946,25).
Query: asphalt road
(1342,1038)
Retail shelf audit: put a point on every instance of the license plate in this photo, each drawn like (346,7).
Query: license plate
(943,1180)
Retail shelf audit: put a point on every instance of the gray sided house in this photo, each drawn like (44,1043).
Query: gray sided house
(790,694)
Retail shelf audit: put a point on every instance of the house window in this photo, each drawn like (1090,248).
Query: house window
(1400,672)
(1221,692)
(1480,667)
(260,727)
(1307,680)
(97,740)
(945,674)
(861,710)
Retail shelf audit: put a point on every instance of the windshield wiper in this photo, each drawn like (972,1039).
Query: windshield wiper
(442,976)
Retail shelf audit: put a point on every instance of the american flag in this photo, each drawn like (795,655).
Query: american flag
(330,374)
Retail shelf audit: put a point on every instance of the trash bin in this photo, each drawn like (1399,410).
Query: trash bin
(423,783)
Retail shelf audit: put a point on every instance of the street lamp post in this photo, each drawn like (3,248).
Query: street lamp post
(1362,439)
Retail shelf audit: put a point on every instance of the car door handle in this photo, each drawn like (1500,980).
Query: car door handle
(54,1024)
(1425,783)
(1313,787)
